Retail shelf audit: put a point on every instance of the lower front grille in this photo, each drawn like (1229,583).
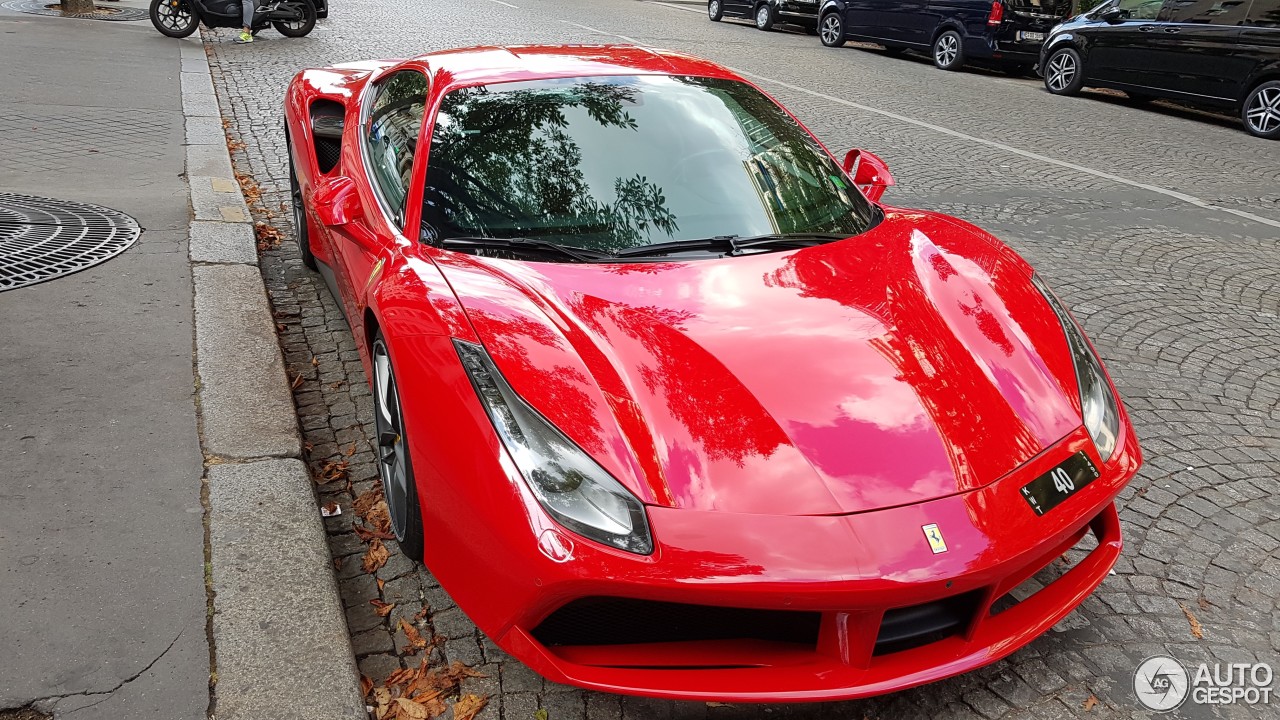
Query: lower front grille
(623,621)
(910,627)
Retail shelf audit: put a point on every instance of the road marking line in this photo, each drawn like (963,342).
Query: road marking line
(676,7)
(1189,199)
(505,3)
(601,32)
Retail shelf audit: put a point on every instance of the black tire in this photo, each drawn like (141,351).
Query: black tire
(1261,110)
(764,16)
(300,231)
(1063,72)
(831,29)
(393,455)
(173,18)
(300,27)
(715,10)
(948,50)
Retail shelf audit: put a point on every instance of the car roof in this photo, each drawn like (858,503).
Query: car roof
(480,65)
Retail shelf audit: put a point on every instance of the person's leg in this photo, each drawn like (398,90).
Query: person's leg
(246,10)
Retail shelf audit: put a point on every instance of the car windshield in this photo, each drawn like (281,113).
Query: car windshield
(611,163)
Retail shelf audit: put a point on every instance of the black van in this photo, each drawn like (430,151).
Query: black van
(1006,32)
(1223,53)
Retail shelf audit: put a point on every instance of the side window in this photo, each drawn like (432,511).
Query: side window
(391,137)
(1140,9)
(1265,13)
(1205,12)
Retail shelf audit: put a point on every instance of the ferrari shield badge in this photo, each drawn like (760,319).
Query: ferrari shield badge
(934,536)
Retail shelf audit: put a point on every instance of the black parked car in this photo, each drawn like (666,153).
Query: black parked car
(767,13)
(1008,32)
(1223,53)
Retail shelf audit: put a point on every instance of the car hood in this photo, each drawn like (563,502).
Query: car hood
(911,362)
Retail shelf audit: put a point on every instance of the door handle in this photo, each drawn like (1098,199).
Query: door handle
(1173,30)
(1147,28)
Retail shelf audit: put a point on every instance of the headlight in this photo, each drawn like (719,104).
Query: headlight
(1101,412)
(569,485)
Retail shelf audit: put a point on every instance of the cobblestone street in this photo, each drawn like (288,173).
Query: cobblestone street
(1158,226)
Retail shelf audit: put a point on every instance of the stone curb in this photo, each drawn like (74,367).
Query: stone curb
(281,646)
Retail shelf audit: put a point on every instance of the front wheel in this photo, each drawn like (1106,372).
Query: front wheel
(715,10)
(1062,72)
(173,18)
(394,465)
(300,231)
(764,17)
(831,30)
(1261,111)
(303,18)
(948,51)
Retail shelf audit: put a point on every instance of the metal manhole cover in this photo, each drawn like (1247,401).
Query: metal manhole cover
(45,7)
(43,238)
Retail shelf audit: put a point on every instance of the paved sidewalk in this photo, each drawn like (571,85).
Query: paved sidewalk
(101,536)
(161,555)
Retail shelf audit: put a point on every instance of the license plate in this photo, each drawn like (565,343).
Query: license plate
(1050,489)
(1030,36)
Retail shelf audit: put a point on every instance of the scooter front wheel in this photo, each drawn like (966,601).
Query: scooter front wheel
(174,18)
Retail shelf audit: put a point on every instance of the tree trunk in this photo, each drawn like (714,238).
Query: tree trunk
(77,6)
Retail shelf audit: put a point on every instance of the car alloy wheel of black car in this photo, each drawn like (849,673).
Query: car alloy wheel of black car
(948,50)
(1062,74)
(1261,111)
(764,16)
(831,30)
(715,10)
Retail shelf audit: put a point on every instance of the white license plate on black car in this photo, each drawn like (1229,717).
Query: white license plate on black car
(1030,36)
(1050,489)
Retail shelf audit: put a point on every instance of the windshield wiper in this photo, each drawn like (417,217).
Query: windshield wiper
(732,244)
(523,244)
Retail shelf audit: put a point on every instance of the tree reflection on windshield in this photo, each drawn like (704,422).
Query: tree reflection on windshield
(609,163)
(526,166)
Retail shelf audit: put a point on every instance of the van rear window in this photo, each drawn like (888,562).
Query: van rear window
(1060,8)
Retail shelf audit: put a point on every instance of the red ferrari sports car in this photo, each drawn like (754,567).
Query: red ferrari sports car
(671,404)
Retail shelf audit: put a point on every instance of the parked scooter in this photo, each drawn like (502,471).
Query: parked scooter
(180,18)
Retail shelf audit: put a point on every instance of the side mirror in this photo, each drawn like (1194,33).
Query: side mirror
(869,173)
(1111,15)
(337,202)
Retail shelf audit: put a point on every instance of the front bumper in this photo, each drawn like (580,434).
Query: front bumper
(850,572)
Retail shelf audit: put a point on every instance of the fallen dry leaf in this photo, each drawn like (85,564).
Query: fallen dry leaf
(366,535)
(1197,630)
(379,518)
(315,362)
(541,714)
(1204,603)
(297,380)
(375,557)
(381,583)
(1090,702)
(333,470)
(425,611)
(269,236)
(412,635)
(330,509)
(382,609)
(337,564)
(411,709)
(366,685)
(351,450)
(365,502)
(468,706)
